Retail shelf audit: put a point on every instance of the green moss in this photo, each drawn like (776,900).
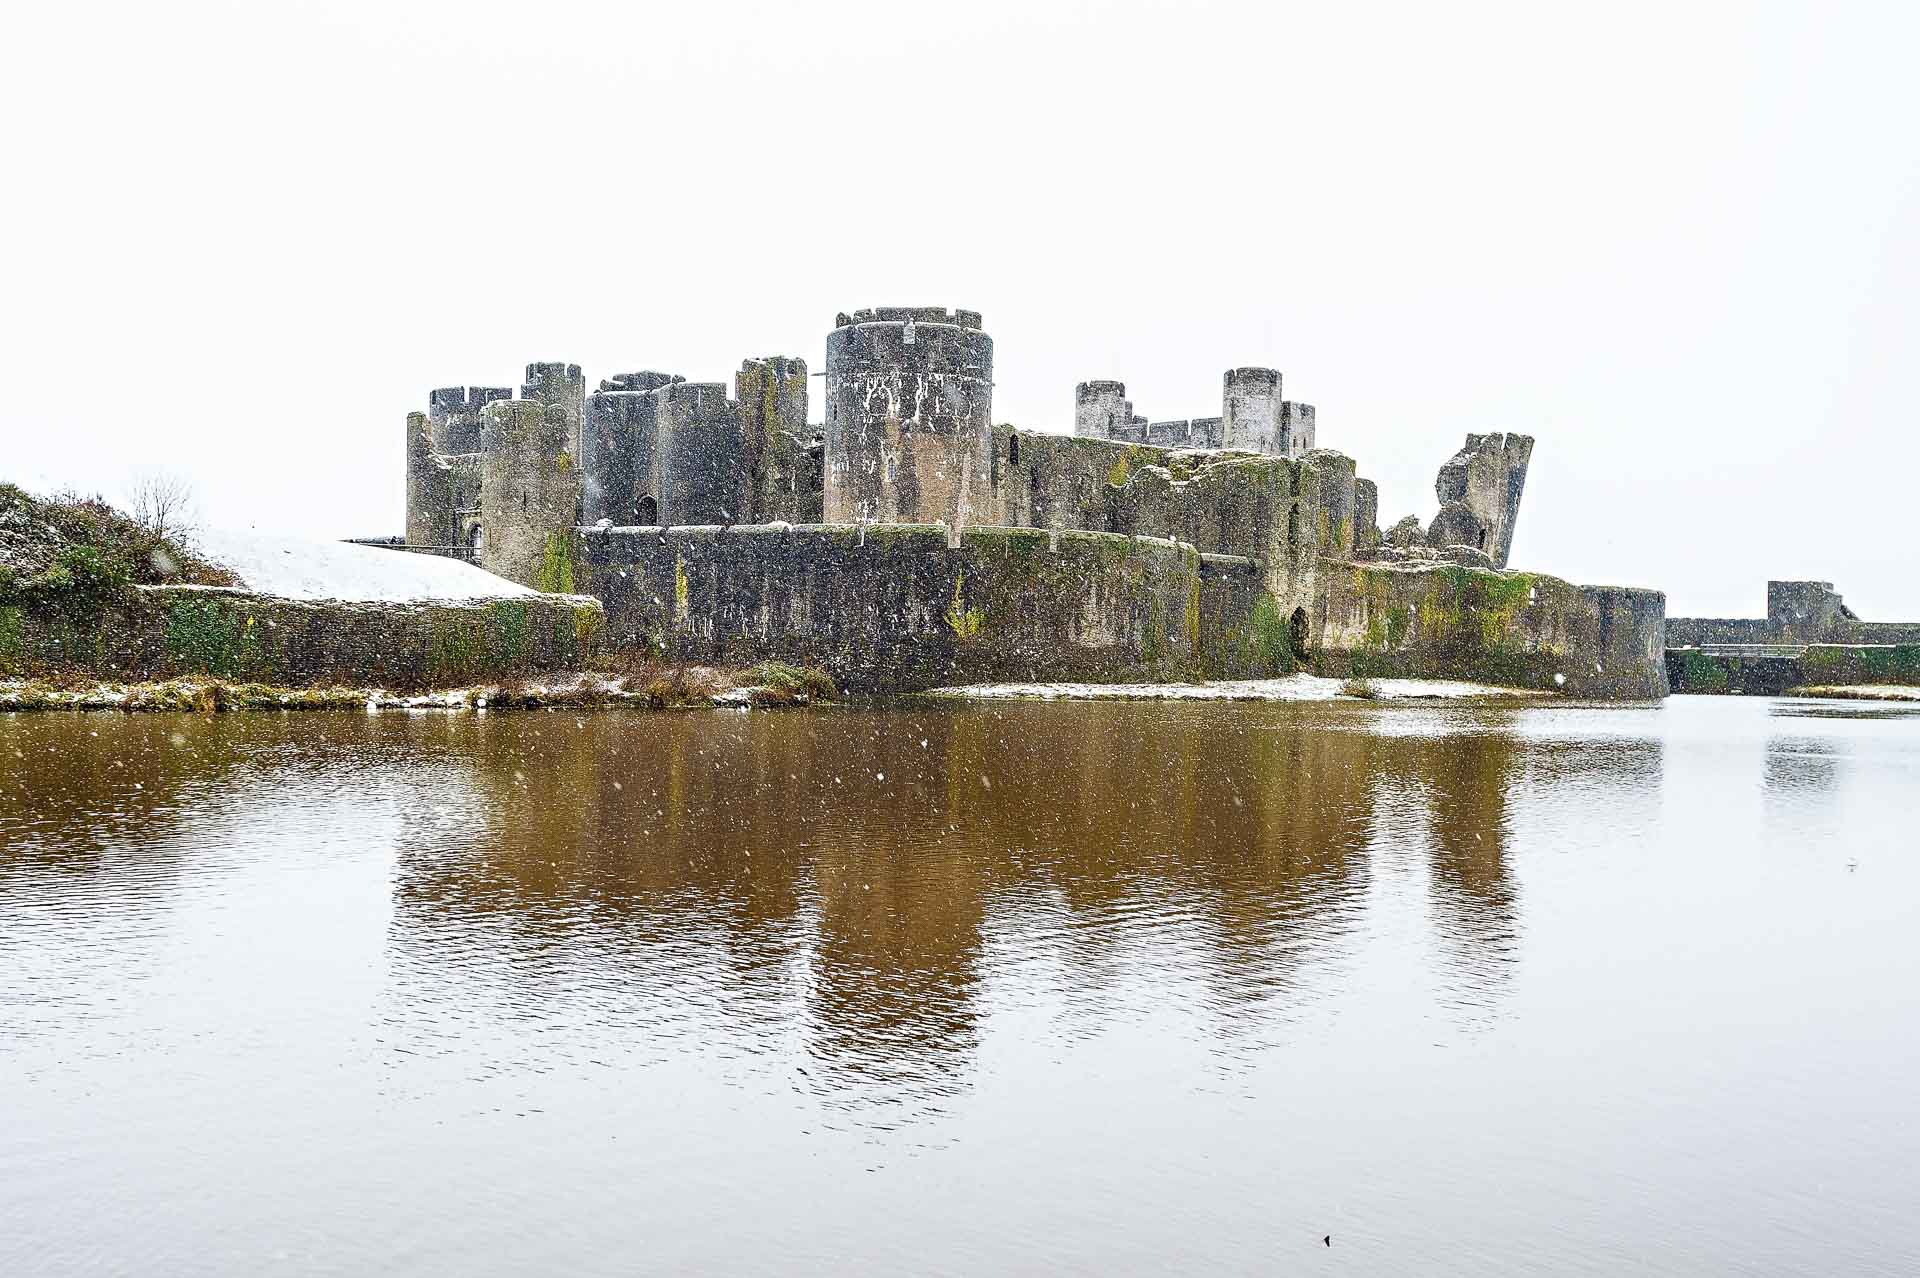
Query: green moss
(455,653)
(1701,673)
(681,587)
(1193,614)
(507,632)
(1117,473)
(1271,646)
(212,636)
(1399,622)
(555,574)
(13,645)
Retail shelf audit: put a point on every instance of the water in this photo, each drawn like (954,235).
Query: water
(1029,988)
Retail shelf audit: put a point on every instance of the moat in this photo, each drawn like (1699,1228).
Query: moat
(1006,988)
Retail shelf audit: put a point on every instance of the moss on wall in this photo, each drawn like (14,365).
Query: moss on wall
(555,575)
(173,632)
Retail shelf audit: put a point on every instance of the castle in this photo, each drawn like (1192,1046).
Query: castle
(908,539)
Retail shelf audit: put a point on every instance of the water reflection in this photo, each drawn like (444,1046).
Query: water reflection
(855,880)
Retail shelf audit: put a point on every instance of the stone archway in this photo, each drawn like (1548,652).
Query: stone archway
(1297,633)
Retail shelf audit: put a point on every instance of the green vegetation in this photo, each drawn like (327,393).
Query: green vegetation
(212,636)
(965,622)
(1272,646)
(555,574)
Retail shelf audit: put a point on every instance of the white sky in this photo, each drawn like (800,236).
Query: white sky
(1677,242)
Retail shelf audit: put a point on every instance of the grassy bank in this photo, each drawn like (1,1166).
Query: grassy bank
(676,687)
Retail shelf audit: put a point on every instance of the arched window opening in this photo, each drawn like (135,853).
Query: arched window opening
(1013,450)
(475,539)
(1297,632)
(1293,529)
(1483,539)
(648,511)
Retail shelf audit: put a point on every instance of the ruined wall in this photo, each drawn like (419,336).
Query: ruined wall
(1509,628)
(894,608)
(1479,489)
(1798,612)
(166,632)
(909,393)
(530,494)
(772,398)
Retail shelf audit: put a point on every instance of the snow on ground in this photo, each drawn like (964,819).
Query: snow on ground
(297,569)
(1299,687)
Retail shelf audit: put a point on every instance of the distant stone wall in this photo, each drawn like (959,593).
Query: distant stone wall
(1509,628)
(1770,675)
(165,632)
(893,608)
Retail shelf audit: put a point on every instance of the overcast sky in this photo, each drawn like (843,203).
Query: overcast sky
(1678,243)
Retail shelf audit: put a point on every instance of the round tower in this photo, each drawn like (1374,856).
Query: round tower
(1101,410)
(909,413)
(529,493)
(1250,409)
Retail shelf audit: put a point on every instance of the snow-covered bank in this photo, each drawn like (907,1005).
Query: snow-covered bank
(294,568)
(1298,687)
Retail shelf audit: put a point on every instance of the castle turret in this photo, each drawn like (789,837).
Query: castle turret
(1296,429)
(529,494)
(700,477)
(430,519)
(909,407)
(1101,409)
(560,386)
(772,394)
(454,412)
(1250,409)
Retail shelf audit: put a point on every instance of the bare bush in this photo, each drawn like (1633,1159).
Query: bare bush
(163,506)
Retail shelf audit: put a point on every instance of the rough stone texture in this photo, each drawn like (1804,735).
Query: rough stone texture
(893,608)
(530,492)
(455,414)
(1366,515)
(164,632)
(772,398)
(1250,410)
(430,507)
(1296,430)
(909,398)
(1515,629)
(700,476)
(560,386)
(1101,409)
(617,464)
(1479,490)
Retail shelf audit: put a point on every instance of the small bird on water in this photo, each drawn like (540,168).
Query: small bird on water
(1328,1240)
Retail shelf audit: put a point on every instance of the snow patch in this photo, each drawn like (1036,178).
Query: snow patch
(297,569)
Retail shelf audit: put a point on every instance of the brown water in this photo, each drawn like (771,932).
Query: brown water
(1031,988)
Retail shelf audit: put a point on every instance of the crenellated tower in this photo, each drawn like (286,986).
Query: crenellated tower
(909,413)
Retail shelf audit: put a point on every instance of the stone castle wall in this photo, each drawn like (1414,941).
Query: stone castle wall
(167,632)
